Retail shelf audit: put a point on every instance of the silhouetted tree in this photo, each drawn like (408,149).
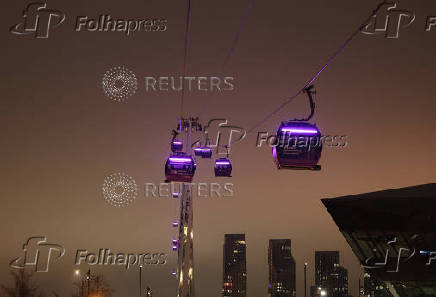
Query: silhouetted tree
(98,287)
(22,286)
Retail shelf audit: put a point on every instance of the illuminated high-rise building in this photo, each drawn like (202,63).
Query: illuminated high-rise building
(234,266)
(281,269)
(331,279)
(325,263)
(338,282)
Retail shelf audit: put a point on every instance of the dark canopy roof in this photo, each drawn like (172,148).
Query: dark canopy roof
(406,209)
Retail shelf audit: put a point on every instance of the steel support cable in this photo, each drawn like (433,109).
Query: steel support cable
(231,50)
(333,57)
(185,58)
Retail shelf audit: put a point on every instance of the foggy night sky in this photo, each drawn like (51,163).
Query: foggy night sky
(62,136)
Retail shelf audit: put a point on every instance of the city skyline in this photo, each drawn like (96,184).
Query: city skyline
(331,279)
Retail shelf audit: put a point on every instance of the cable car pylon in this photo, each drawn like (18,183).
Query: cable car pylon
(185,242)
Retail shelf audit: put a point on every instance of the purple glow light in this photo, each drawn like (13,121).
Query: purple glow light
(199,149)
(180,160)
(177,142)
(175,224)
(299,130)
(222,163)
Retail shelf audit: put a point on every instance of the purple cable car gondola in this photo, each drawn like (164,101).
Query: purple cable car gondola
(180,168)
(298,146)
(203,151)
(223,167)
(176,145)
(175,244)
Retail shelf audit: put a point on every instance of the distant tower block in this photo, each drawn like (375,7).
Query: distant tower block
(186,245)
(282,274)
(234,266)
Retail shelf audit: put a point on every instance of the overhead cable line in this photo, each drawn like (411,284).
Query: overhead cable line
(185,57)
(329,61)
(232,48)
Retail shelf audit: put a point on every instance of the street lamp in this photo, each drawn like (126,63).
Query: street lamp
(77,274)
(88,278)
(323,293)
(305,279)
(140,280)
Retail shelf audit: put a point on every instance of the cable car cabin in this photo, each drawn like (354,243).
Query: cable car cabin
(298,146)
(180,168)
(175,244)
(223,167)
(176,145)
(203,151)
